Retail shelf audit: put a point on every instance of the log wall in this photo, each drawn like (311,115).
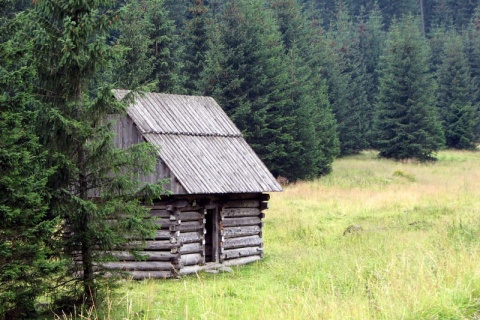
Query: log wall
(179,244)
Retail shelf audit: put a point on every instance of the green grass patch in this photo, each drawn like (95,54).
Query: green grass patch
(417,255)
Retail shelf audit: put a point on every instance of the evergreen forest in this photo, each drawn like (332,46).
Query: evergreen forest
(306,81)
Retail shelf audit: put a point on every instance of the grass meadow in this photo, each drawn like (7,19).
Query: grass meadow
(415,253)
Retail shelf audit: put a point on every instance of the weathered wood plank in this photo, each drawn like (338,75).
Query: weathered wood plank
(264,205)
(188,237)
(187,226)
(191,259)
(143,275)
(233,232)
(241,261)
(166,223)
(250,241)
(138,265)
(242,252)
(265,197)
(195,247)
(242,204)
(153,245)
(165,234)
(191,216)
(190,269)
(147,256)
(160,213)
(169,204)
(241,212)
(243,221)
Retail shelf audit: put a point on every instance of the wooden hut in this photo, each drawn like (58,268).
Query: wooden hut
(218,185)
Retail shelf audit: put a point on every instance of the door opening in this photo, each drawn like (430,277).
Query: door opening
(211,236)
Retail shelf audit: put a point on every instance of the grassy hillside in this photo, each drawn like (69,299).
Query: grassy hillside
(414,252)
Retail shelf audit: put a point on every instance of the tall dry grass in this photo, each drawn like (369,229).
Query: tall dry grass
(415,253)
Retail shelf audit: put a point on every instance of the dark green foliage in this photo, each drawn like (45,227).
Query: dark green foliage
(347,83)
(27,233)
(316,126)
(407,124)
(164,47)
(93,181)
(246,74)
(472,40)
(455,95)
(195,37)
(135,68)
(371,44)
(152,54)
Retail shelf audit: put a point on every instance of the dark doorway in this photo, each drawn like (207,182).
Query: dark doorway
(211,236)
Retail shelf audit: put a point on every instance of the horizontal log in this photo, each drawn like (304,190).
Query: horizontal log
(191,269)
(187,226)
(195,247)
(191,216)
(191,259)
(138,265)
(166,234)
(241,212)
(160,213)
(188,237)
(147,256)
(264,205)
(166,223)
(234,232)
(153,245)
(243,221)
(241,261)
(242,252)
(242,204)
(143,275)
(265,197)
(250,241)
(169,204)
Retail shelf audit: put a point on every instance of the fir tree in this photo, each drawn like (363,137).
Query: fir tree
(455,95)
(407,124)
(93,180)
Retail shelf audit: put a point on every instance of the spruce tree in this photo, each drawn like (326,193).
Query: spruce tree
(136,65)
(246,74)
(347,83)
(455,95)
(472,40)
(93,182)
(28,260)
(316,126)
(195,37)
(164,47)
(371,44)
(407,124)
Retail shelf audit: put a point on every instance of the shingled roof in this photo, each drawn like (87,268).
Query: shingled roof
(199,143)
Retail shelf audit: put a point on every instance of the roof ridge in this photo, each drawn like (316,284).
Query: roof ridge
(196,134)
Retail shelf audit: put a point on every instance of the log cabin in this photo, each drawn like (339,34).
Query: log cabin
(218,186)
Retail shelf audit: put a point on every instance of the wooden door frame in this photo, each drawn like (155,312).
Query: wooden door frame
(215,234)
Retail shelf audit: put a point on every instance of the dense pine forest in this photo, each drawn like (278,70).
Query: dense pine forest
(306,82)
